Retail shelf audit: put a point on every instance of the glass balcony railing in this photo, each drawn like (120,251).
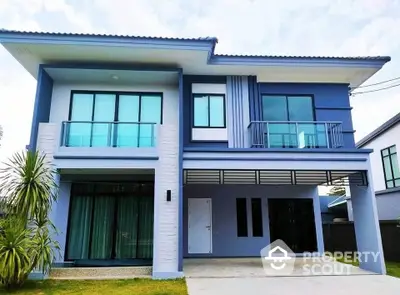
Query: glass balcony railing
(270,134)
(108,134)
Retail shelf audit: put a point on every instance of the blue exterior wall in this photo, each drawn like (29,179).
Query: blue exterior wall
(188,109)
(331,103)
(224,232)
(41,109)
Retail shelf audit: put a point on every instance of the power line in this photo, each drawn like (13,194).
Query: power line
(375,90)
(378,83)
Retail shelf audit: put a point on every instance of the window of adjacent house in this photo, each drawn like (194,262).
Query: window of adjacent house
(241,217)
(209,110)
(92,115)
(256,217)
(391,167)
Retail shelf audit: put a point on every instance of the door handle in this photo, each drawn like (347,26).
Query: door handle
(208,226)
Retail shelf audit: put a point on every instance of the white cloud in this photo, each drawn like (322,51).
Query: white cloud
(308,27)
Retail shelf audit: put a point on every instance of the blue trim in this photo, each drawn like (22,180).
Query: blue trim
(378,131)
(388,191)
(274,159)
(167,275)
(73,157)
(41,109)
(180,167)
(334,108)
(283,150)
(111,66)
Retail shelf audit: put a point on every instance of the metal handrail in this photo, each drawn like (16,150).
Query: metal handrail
(294,122)
(331,134)
(111,136)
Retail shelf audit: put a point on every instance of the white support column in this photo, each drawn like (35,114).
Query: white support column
(165,249)
(366,225)
(318,223)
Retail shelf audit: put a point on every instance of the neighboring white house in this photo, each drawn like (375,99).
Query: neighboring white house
(385,141)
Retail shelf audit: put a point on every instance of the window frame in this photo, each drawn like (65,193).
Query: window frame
(117,94)
(287,103)
(393,179)
(208,96)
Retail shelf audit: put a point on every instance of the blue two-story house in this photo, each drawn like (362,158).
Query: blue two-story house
(166,150)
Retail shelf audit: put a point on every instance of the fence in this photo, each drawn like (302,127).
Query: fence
(341,237)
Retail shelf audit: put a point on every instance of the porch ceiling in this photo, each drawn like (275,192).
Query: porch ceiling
(275,177)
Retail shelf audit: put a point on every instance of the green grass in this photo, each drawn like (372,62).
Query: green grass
(392,268)
(103,287)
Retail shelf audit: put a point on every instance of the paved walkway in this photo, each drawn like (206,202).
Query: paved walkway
(327,285)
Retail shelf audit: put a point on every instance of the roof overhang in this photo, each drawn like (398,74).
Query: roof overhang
(193,56)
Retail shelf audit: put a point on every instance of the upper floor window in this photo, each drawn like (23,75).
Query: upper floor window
(209,110)
(390,167)
(290,122)
(113,118)
(287,108)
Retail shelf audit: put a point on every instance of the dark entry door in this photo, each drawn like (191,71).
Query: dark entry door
(292,220)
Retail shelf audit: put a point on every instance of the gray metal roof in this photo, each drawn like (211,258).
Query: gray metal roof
(212,40)
(4,31)
(383,58)
(378,131)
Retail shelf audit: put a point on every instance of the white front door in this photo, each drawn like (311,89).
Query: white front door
(199,226)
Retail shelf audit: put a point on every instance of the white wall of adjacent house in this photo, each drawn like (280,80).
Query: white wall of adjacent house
(165,261)
(385,140)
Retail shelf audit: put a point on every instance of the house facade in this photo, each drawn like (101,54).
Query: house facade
(166,150)
(385,167)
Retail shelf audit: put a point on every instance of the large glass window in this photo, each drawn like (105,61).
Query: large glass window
(112,119)
(110,221)
(209,110)
(391,167)
(290,122)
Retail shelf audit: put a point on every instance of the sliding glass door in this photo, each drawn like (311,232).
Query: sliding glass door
(111,222)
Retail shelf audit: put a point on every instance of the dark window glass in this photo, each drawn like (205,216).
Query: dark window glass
(209,111)
(241,217)
(390,167)
(275,108)
(256,217)
(300,108)
(289,124)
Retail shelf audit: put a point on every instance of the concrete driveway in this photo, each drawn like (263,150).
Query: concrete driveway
(327,285)
(247,276)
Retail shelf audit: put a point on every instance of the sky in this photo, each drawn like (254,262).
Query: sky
(284,27)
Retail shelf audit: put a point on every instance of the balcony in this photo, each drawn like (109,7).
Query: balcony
(304,134)
(102,140)
(108,134)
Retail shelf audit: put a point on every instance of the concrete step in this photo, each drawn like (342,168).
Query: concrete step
(100,273)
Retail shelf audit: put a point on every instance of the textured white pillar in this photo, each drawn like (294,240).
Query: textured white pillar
(366,225)
(165,250)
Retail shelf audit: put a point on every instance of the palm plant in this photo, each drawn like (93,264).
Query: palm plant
(28,183)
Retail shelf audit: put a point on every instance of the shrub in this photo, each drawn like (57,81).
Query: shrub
(26,232)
